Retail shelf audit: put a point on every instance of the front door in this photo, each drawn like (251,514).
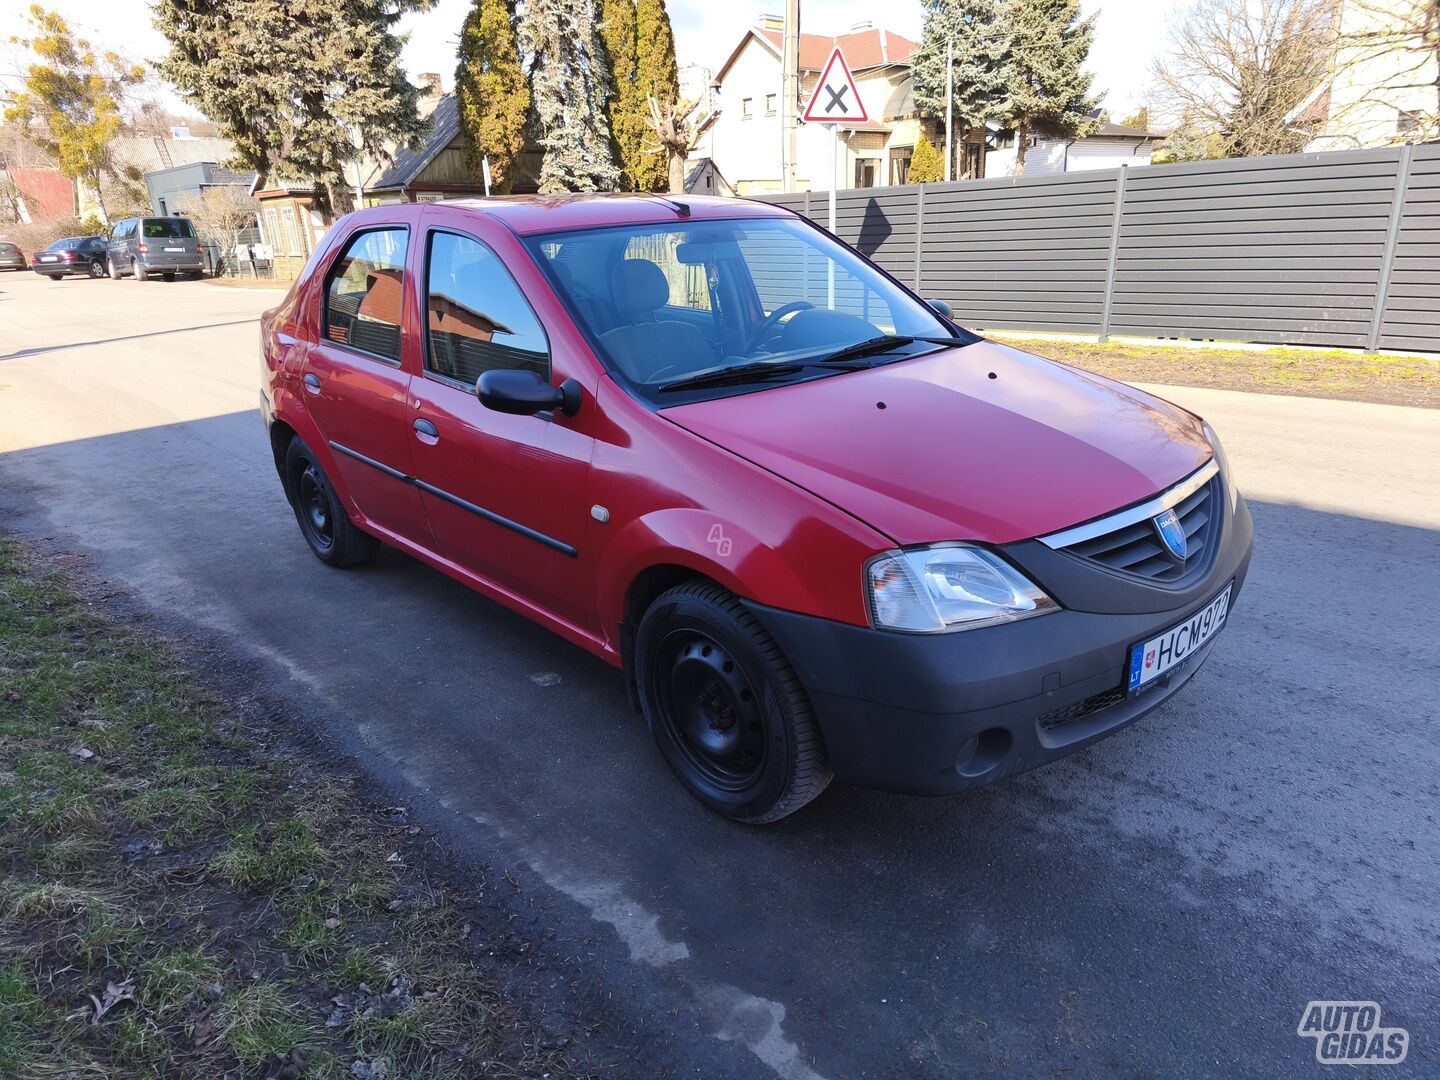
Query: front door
(355,385)
(505,495)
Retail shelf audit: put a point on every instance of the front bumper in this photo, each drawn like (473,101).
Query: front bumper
(944,713)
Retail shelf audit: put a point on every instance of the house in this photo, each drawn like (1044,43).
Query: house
(132,156)
(169,188)
(1110,146)
(741,136)
(1382,88)
(703,178)
(29,195)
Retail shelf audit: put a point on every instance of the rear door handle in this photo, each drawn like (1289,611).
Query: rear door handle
(312,382)
(426,432)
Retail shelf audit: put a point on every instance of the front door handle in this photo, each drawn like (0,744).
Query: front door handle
(426,432)
(312,382)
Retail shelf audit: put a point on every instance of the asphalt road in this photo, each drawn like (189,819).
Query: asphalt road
(1164,903)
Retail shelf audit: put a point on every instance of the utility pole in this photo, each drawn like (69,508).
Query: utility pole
(789,93)
(949,101)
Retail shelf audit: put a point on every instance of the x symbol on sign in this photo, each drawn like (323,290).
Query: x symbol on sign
(835,96)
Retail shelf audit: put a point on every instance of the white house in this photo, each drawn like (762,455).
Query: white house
(742,136)
(1111,146)
(1383,90)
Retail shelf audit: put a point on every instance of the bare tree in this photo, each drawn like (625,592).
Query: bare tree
(1388,57)
(1242,69)
(220,214)
(673,126)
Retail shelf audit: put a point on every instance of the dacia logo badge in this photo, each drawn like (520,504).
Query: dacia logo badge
(1172,534)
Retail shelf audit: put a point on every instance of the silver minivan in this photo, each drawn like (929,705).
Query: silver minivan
(143,247)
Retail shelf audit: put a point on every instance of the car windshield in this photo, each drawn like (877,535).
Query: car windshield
(168,229)
(734,304)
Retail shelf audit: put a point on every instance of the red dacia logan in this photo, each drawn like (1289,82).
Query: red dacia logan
(823,530)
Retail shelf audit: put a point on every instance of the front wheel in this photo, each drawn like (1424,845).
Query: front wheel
(326,526)
(114,268)
(725,708)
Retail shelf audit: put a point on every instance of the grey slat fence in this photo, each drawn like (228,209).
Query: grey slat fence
(1311,249)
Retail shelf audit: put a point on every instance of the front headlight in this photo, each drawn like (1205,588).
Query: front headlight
(948,587)
(1220,459)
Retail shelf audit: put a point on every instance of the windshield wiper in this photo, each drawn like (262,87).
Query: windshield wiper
(756,371)
(883,343)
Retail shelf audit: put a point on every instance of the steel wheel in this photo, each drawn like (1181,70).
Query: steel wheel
(711,710)
(316,516)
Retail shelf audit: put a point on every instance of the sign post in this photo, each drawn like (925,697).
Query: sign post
(835,101)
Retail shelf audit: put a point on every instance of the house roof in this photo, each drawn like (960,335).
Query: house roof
(409,164)
(1120,131)
(151,154)
(863,49)
(47,193)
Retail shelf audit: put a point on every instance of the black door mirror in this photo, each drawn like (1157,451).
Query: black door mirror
(941,308)
(525,393)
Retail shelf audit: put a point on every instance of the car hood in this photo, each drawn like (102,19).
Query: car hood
(982,442)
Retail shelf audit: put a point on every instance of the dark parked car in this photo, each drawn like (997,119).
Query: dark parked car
(142,247)
(11,257)
(822,530)
(73,255)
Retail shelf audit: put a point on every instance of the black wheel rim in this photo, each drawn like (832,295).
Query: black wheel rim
(314,507)
(711,710)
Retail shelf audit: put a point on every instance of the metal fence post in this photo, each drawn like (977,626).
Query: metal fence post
(807,202)
(919,231)
(1392,234)
(1114,252)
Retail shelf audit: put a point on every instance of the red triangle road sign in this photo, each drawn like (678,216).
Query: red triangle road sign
(836,99)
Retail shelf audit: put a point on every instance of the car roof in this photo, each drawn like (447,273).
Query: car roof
(529,214)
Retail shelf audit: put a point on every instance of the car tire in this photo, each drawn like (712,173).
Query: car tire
(725,708)
(326,526)
(114,269)
(97,268)
(137,271)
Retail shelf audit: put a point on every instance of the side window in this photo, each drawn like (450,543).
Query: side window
(365,291)
(477,317)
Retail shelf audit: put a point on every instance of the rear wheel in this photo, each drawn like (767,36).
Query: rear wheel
(324,523)
(136,270)
(725,708)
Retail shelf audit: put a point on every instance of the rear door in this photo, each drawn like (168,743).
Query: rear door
(118,249)
(356,381)
(169,242)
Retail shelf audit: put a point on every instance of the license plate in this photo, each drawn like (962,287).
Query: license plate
(49,258)
(175,249)
(1151,659)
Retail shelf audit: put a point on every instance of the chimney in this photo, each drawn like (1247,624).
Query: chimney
(861,27)
(430,84)
(775,24)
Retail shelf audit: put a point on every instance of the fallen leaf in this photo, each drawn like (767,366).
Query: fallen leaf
(114,994)
(84,753)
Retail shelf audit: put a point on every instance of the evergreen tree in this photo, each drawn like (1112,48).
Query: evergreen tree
(1047,87)
(656,77)
(625,108)
(926,164)
(296,83)
(68,104)
(491,91)
(977,35)
(569,77)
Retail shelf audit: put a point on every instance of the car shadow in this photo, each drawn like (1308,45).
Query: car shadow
(1263,839)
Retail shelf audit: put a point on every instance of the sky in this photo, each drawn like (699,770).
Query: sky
(1128,33)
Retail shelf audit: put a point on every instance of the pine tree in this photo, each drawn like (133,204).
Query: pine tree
(569,76)
(491,91)
(1047,87)
(656,77)
(624,107)
(978,39)
(294,82)
(68,104)
(926,164)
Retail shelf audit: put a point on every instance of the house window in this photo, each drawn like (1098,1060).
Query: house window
(900,157)
(769,104)
(747,108)
(865,171)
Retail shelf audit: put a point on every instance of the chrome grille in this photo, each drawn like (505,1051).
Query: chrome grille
(1129,542)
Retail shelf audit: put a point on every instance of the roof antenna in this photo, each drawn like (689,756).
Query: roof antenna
(680,208)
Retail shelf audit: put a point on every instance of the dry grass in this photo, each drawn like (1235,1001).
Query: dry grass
(176,900)
(1328,373)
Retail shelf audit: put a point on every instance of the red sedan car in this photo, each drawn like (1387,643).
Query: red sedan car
(823,530)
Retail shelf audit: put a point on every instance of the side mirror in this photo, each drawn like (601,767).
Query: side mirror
(524,393)
(941,308)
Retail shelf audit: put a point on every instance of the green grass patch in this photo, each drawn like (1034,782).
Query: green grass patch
(176,900)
